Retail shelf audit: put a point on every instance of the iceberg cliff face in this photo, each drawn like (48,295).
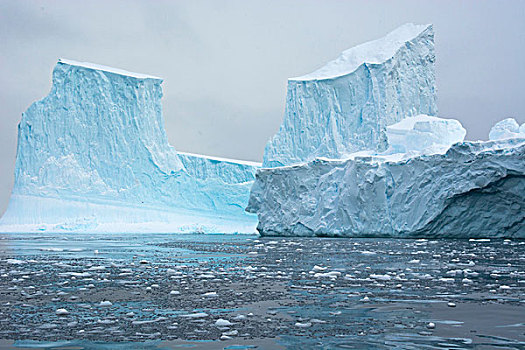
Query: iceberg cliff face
(94,152)
(346,105)
(475,189)
(228,170)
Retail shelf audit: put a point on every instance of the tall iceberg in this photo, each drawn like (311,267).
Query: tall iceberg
(346,162)
(345,106)
(94,155)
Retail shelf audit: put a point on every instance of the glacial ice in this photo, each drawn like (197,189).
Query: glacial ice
(94,155)
(345,106)
(351,165)
(424,134)
(475,189)
(507,128)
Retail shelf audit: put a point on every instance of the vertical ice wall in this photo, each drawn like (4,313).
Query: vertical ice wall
(346,105)
(100,132)
(475,189)
(94,153)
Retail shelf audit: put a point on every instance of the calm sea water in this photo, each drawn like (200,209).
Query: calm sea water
(238,292)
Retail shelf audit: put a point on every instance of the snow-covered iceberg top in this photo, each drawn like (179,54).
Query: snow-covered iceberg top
(100,67)
(372,52)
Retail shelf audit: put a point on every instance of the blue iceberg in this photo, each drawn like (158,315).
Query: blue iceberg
(361,153)
(345,106)
(474,189)
(94,156)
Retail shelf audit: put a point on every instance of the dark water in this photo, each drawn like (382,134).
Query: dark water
(169,291)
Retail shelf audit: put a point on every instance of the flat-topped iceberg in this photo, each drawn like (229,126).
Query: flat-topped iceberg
(94,155)
(345,106)
(360,153)
(475,189)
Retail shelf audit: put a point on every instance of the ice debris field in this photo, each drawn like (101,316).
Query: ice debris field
(361,152)
(158,291)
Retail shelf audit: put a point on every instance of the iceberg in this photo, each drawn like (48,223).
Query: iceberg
(345,106)
(507,128)
(424,134)
(475,189)
(93,155)
(360,153)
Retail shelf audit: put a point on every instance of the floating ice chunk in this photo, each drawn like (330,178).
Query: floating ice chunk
(381,277)
(366,252)
(105,303)
(231,333)
(303,325)
(15,261)
(315,320)
(506,129)
(318,268)
(97,268)
(424,134)
(447,280)
(223,323)
(62,312)
(331,274)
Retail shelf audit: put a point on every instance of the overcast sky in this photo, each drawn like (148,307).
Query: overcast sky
(225,63)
